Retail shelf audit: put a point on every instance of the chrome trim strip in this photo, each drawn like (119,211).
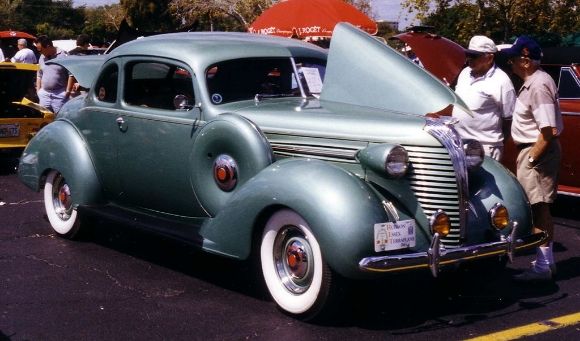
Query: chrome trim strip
(443,131)
(570,113)
(569,193)
(435,257)
(306,150)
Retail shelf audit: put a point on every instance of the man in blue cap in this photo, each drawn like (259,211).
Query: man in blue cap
(537,123)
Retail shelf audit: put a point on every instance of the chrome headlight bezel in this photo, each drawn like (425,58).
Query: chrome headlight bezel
(397,162)
(439,222)
(493,213)
(474,154)
(392,160)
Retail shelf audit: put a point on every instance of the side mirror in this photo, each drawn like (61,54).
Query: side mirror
(182,102)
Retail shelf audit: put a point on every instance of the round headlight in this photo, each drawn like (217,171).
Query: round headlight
(440,223)
(397,162)
(473,153)
(499,216)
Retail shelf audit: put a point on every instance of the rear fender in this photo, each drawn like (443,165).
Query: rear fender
(340,208)
(59,146)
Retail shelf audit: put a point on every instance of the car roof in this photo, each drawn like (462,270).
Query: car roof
(204,48)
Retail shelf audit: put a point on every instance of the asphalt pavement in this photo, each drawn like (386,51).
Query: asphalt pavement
(124,284)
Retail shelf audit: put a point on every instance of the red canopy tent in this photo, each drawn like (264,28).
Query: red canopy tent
(309,18)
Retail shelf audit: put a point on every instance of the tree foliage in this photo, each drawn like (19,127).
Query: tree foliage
(59,19)
(222,15)
(149,15)
(502,20)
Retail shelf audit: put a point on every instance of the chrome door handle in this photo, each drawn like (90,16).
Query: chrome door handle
(121,123)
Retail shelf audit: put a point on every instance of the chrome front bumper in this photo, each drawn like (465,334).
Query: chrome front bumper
(437,255)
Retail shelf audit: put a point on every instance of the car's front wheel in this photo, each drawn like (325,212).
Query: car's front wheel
(296,275)
(63,217)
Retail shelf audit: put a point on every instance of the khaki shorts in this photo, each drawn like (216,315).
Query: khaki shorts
(540,182)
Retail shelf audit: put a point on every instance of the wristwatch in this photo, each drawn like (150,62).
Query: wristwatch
(531,159)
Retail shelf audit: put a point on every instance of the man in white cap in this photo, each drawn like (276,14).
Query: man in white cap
(489,93)
(24,54)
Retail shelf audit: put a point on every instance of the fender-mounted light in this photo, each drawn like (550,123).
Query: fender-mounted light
(499,216)
(391,159)
(473,153)
(225,172)
(440,223)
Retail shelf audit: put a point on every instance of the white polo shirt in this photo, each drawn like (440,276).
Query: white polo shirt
(537,107)
(491,98)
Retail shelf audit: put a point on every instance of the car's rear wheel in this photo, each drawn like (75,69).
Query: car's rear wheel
(61,213)
(295,273)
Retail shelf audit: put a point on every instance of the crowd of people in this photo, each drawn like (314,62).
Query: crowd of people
(54,84)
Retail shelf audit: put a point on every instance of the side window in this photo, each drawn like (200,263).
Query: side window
(158,85)
(106,86)
(569,86)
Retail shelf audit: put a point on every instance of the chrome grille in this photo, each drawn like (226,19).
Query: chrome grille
(432,177)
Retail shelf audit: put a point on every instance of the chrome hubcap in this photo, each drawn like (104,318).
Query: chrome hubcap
(293,260)
(61,198)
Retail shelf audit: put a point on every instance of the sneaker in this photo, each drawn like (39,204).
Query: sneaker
(534,275)
(552,267)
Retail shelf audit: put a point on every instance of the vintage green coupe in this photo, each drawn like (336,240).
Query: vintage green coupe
(320,164)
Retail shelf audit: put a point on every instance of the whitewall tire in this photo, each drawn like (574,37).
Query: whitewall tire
(61,213)
(294,270)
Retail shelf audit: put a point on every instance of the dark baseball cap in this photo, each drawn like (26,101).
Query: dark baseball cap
(525,47)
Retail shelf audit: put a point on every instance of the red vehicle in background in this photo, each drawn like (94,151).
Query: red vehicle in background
(445,59)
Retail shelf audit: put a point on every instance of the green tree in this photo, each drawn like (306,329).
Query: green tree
(500,19)
(102,23)
(58,19)
(149,15)
(224,15)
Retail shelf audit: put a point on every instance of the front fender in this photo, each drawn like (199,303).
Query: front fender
(490,184)
(340,208)
(59,146)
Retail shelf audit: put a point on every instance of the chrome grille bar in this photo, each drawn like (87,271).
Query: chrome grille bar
(437,181)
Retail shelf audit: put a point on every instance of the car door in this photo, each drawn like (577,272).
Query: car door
(156,134)
(97,122)
(569,93)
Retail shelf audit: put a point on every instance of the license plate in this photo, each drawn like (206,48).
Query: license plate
(394,236)
(9,130)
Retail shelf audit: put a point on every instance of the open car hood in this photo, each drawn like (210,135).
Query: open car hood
(84,68)
(377,76)
(442,57)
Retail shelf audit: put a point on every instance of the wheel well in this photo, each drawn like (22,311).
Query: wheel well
(42,178)
(260,223)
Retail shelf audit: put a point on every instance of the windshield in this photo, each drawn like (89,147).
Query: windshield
(251,78)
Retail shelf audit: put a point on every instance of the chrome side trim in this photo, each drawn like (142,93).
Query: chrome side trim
(347,155)
(442,129)
(569,193)
(570,113)
(436,256)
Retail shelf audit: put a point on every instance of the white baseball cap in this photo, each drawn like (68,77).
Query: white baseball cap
(481,44)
